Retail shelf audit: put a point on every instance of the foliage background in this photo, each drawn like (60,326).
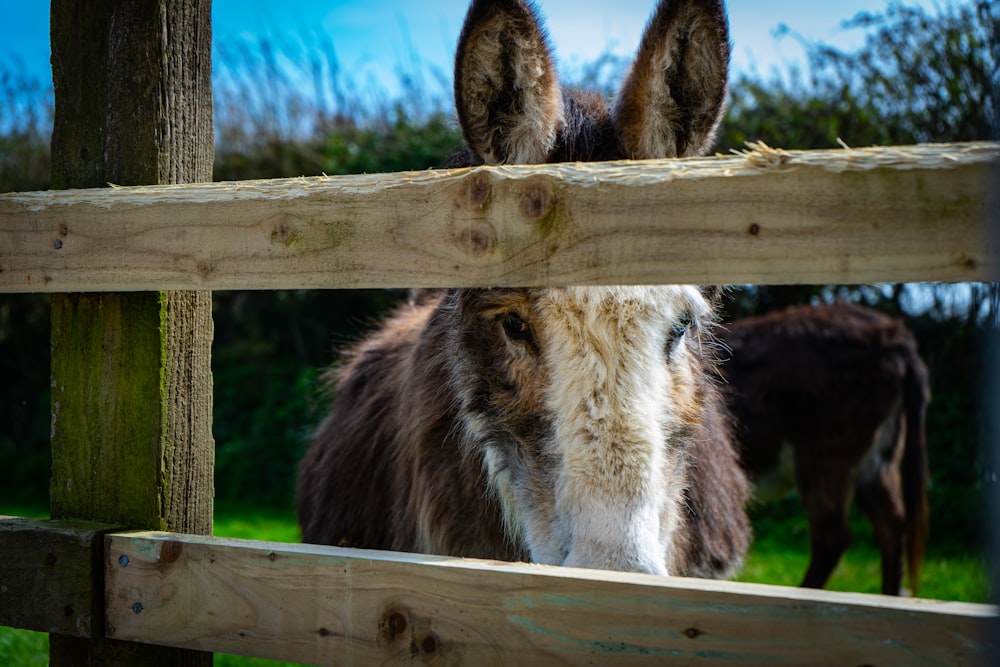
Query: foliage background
(920,76)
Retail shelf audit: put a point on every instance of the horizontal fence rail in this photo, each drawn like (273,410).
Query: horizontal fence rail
(325,605)
(51,575)
(766,216)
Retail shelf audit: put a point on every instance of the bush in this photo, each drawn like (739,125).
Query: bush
(920,77)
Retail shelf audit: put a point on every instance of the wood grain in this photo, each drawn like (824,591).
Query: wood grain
(52,576)
(915,213)
(324,605)
(131,373)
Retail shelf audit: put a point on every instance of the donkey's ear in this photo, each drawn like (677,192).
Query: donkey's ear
(507,92)
(673,98)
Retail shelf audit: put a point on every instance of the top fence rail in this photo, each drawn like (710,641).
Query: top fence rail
(764,216)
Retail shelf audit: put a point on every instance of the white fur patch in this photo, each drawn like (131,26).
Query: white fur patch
(533,133)
(611,393)
(502,485)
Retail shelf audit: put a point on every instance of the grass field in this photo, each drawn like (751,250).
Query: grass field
(779,556)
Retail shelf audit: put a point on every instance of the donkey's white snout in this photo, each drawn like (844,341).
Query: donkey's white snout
(616,540)
(624,558)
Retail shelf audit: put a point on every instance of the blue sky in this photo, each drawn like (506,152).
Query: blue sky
(372,38)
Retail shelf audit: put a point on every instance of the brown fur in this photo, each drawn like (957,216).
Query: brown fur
(389,468)
(664,105)
(844,386)
(455,391)
(659,112)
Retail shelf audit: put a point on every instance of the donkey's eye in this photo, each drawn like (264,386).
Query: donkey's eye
(517,329)
(675,334)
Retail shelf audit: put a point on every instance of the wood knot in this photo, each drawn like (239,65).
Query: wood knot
(397,624)
(170,551)
(754,229)
(430,644)
(205,269)
(968,262)
(535,202)
(693,633)
(477,239)
(394,625)
(282,231)
(477,189)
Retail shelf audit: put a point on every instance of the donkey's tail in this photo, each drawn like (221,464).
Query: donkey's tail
(916,396)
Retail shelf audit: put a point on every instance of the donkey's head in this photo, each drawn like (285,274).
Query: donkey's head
(583,404)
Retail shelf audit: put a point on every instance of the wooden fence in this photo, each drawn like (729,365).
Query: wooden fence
(131,409)
(828,216)
(324,605)
(913,213)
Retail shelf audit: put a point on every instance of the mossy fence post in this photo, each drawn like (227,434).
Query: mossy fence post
(131,372)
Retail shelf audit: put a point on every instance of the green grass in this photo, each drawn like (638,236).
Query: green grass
(272,525)
(23,648)
(779,556)
(25,511)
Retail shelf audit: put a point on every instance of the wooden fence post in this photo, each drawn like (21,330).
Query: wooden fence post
(131,373)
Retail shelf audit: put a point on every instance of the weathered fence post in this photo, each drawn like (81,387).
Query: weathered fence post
(131,374)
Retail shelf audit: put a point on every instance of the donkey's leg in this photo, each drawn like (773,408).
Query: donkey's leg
(880,495)
(882,502)
(825,487)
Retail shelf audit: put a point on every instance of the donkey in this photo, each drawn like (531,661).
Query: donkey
(844,388)
(569,426)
